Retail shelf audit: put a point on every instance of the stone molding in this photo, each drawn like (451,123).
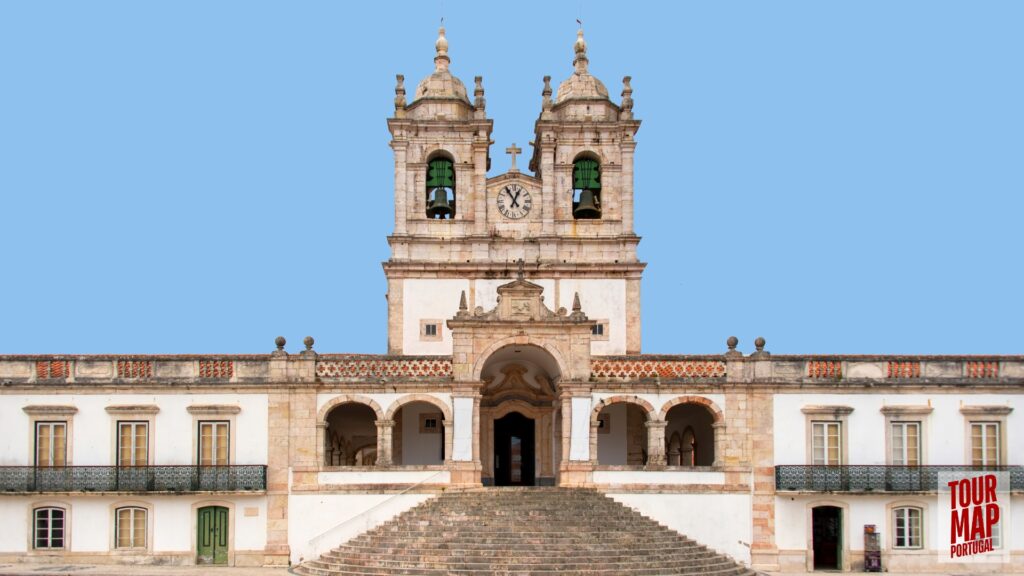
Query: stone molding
(134,409)
(213,409)
(46,410)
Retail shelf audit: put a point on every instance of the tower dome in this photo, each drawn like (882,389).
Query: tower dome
(441,84)
(581,85)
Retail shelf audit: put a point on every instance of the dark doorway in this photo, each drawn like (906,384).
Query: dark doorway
(513,451)
(827,530)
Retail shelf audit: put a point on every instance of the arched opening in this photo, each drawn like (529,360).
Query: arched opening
(350,435)
(622,435)
(440,187)
(519,417)
(418,437)
(693,425)
(586,187)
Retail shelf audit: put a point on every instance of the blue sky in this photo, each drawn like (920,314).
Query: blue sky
(195,176)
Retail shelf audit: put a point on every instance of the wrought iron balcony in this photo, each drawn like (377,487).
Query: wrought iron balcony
(133,479)
(876,478)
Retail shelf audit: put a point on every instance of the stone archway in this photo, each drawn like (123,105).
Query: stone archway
(520,379)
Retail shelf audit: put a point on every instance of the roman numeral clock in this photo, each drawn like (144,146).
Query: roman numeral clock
(514,201)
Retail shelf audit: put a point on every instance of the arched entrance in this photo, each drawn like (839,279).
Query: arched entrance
(519,417)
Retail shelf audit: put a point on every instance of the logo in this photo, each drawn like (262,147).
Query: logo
(974,515)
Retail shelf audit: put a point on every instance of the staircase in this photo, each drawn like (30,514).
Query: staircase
(520,531)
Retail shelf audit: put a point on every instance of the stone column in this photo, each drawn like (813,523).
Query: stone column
(278,425)
(718,431)
(656,442)
(384,441)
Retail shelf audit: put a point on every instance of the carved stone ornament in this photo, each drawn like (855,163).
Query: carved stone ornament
(521,301)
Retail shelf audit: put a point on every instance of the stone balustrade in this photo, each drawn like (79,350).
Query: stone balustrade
(269,368)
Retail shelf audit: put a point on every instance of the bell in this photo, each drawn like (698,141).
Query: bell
(589,206)
(438,206)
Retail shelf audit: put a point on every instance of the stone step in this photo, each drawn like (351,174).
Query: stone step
(534,531)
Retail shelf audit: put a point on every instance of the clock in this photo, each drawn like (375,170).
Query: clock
(514,201)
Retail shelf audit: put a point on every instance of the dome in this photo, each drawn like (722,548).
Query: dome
(581,85)
(441,83)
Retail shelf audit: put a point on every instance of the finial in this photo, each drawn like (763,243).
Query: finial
(732,342)
(576,307)
(462,302)
(308,341)
(479,102)
(627,97)
(441,61)
(400,92)
(279,342)
(580,47)
(759,345)
(546,93)
(520,273)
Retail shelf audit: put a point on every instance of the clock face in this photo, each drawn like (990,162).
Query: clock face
(514,201)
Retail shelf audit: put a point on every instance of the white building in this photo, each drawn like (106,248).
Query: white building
(514,358)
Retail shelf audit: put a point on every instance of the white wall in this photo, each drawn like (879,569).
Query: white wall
(719,521)
(420,448)
(945,434)
(92,429)
(600,299)
(438,299)
(91,521)
(319,522)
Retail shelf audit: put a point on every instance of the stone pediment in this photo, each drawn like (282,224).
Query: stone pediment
(521,301)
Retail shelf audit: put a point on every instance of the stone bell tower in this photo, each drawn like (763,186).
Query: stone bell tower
(456,230)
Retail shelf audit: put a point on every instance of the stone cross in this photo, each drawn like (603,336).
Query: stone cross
(513,151)
(520,272)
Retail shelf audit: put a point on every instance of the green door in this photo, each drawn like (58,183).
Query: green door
(212,536)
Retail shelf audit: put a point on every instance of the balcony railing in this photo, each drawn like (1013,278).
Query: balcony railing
(133,479)
(868,478)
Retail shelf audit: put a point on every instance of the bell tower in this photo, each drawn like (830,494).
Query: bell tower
(570,223)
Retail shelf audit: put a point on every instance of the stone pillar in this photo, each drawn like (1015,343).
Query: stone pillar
(277,551)
(549,183)
(465,458)
(633,315)
(656,442)
(384,441)
(395,315)
(764,554)
(401,208)
(447,424)
(628,147)
(718,430)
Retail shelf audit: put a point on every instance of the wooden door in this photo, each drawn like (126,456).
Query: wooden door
(212,535)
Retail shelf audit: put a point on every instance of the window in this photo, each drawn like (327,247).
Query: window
(132,443)
(48,528)
(440,189)
(597,330)
(906,531)
(906,443)
(826,443)
(430,423)
(985,443)
(213,443)
(586,185)
(51,444)
(130,528)
(430,330)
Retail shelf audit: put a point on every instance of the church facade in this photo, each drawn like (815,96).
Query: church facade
(514,359)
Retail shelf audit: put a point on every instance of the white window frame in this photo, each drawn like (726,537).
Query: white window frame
(134,543)
(826,427)
(908,533)
(900,447)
